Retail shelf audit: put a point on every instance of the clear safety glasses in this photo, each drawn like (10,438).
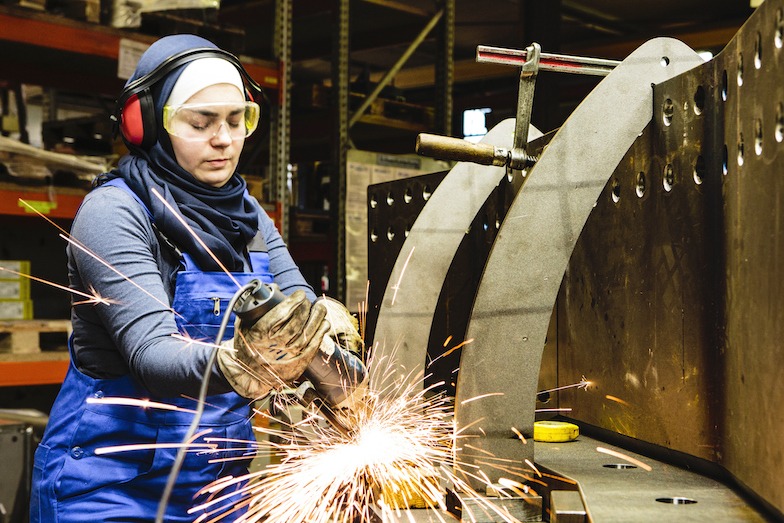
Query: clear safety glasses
(203,121)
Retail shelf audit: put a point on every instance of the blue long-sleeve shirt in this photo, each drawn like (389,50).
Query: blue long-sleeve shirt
(133,333)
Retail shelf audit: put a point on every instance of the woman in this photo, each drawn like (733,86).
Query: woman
(150,243)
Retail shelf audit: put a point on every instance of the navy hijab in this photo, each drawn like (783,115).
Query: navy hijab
(224,218)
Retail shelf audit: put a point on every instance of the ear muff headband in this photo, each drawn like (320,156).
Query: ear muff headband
(135,108)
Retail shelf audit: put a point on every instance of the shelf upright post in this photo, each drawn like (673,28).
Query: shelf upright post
(280,120)
(444,70)
(341,141)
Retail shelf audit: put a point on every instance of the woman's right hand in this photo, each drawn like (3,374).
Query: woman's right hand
(277,349)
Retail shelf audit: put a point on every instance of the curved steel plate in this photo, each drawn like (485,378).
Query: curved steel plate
(520,284)
(406,314)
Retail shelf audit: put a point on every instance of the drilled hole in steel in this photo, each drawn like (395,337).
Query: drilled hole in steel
(668,109)
(373,201)
(699,100)
(724,86)
(407,231)
(740,70)
(668,179)
(408,195)
(639,186)
(619,466)
(740,149)
(699,170)
(665,61)
(724,160)
(390,199)
(426,192)
(616,191)
(485,224)
(497,222)
(779,133)
(758,137)
(758,52)
(373,236)
(778,38)
(677,501)
(390,234)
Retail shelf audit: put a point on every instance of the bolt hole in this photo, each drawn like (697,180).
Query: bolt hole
(407,231)
(427,192)
(408,195)
(668,110)
(725,160)
(390,199)
(639,187)
(677,501)
(665,61)
(724,83)
(373,236)
(616,191)
(373,201)
(619,466)
(699,100)
(758,52)
(779,133)
(758,137)
(740,70)
(778,39)
(740,149)
(699,170)
(668,179)
(390,234)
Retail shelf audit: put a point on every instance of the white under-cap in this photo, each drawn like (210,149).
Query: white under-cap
(202,73)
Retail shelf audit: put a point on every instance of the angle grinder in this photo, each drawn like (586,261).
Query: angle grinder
(335,379)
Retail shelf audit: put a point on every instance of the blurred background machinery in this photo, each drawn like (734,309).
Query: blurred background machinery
(641,253)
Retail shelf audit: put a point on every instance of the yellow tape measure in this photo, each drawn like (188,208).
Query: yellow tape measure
(555,431)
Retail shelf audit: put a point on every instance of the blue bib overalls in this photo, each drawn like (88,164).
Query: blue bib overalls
(73,484)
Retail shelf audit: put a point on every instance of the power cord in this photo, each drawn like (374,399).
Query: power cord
(205,382)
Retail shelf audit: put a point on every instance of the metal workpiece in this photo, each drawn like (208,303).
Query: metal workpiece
(678,312)
(518,290)
(642,254)
(415,282)
(617,490)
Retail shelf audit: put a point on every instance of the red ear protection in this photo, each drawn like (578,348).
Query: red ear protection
(134,113)
(137,120)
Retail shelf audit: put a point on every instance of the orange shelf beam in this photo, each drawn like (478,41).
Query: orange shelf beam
(54,206)
(89,39)
(44,372)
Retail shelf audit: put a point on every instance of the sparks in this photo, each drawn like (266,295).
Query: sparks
(396,286)
(180,219)
(617,400)
(624,457)
(582,384)
(401,454)
(133,402)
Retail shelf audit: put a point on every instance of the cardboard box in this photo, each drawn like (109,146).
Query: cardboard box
(16,310)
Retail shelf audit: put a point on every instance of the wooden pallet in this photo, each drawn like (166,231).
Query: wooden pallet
(22,336)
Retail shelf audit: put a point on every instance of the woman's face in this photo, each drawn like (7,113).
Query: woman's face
(212,160)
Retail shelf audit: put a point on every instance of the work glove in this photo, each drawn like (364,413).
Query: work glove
(344,327)
(276,350)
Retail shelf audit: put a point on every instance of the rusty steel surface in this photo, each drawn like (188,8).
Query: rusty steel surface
(672,301)
(644,253)
(523,273)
